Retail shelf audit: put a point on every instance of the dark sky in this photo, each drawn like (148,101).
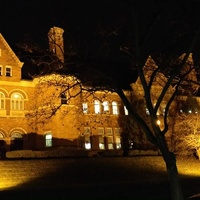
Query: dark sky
(79,18)
(21,17)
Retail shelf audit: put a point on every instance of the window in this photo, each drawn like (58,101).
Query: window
(2,101)
(16,141)
(109,138)
(97,107)
(87,130)
(48,140)
(109,131)
(105,107)
(118,142)
(85,108)
(110,142)
(117,138)
(87,142)
(114,108)
(100,132)
(87,139)
(1,70)
(1,135)
(63,98)
(17,101)
(101,142)
(8,71)
(125,110)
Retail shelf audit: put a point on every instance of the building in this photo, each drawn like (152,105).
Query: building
(52,111)
(39,113)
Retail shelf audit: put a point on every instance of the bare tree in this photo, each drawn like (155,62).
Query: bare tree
(156,60)
(187,137)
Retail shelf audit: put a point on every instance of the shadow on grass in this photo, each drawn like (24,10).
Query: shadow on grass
(123,178)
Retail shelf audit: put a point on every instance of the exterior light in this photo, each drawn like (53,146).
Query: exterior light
(158,122)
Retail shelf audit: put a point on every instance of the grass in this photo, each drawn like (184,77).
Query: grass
(137,177)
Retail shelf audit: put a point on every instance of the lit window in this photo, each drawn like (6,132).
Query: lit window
(109,138)
(1,135)
(105,107)
(97,107)
(87,138)
(125,110)
(117,138)
(118,142)
(101,142)
(114,108)
(48,140)
(2,101)
(85,108)
(110,142)
(17,101)
(87,142)
(100,132)
(8,71)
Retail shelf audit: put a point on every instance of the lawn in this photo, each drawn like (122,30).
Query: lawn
(102,178)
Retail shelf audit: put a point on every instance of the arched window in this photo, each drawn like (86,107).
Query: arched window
(115,108)
(97,107)
(85,108)
(16,141)
(17,101)
(105,107)
(2,101)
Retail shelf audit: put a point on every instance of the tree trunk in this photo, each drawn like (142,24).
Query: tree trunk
(174,181)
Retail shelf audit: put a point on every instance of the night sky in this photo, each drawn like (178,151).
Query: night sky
(83,17)
(103,23)
(37,17)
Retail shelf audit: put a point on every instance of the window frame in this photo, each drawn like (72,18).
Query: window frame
(17,103)
(48,141)
(85,107)
(115,109)
(8,73)
(106,109)
(97,107)
(2,101)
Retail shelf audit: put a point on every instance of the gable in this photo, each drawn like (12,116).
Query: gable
(9,61)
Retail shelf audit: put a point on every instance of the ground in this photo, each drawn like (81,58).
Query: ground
(135,177)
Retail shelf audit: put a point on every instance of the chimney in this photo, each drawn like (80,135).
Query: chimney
(56,44)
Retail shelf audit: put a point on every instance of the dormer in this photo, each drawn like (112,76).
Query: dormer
(10,65)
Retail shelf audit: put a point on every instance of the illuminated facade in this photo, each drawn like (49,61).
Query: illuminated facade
(50,111)
(27,118)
